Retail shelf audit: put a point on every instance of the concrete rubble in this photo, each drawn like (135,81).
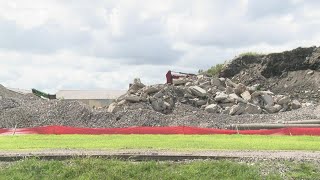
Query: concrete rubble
(213,95)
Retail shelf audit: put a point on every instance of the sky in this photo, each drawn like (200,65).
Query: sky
(105,44)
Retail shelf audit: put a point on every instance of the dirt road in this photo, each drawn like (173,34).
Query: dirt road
(160,154)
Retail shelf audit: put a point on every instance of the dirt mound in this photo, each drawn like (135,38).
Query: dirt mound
(294,73)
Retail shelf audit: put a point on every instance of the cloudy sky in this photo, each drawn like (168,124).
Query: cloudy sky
(104,44)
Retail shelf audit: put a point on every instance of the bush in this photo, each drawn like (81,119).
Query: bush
(214,70)
(250,54)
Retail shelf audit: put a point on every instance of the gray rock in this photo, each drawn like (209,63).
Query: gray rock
(268,100)
(158,104)
(239,89)
(212,108)
(220,96)
(226,105)
(112,107)
(229,90)
(273,109)
(180,81)
(295,104)
(230,83)
(252,109)
(158,94)
(237,109)
(151,89)
(198,91)
(283,100)
(216,82)
(254,88)
(236,98)
(132,98)
(136,86)
(201,102)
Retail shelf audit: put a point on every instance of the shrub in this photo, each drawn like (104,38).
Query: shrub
(214,70)
(250,53)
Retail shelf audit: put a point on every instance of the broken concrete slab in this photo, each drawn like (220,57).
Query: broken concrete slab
(132,98)
(151,89)
(180,81)
(198,91)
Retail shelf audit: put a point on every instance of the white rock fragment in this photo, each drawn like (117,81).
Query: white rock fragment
(198,91)
(246,95)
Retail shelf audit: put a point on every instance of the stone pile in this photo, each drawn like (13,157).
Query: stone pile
(213,95)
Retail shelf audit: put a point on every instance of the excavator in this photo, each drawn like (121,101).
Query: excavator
(176,75)
(43,95)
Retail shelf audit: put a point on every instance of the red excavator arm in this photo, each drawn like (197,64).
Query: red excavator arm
(176,75)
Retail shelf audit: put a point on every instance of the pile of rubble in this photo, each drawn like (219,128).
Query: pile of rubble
(214,95)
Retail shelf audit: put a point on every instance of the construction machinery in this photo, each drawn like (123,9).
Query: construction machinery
(176,75)
(43,94)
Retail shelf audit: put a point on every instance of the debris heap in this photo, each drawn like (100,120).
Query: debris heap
(214,95)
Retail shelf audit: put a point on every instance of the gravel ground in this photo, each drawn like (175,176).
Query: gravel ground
(235,154)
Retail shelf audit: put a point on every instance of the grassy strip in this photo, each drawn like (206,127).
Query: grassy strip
(92,168)
(170,142)
(112,169)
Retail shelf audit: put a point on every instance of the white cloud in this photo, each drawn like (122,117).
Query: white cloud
(58,44)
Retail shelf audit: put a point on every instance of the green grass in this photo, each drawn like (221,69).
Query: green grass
(169,142)
(94,168)
(90,168)
(250,54)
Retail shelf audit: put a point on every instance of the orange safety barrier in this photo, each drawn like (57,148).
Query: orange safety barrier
(158,130)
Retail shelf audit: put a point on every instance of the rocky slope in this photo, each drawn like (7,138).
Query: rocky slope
(294,73)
